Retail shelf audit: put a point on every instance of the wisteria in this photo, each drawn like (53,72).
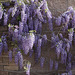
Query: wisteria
(51,64)
(68,47)
(16,59)
(39,14)
(30,53)
(14,10)
(70,73)
(25,21)
(5,18)
(20,27)
(28,42)
(15,35)
(56,65)
(44,38)
(20,58)
(28,68)
(10,55)
(1,46)
(68,67)
(4,42)
(58,50)
(42,60)
(22,15)
(58,21)
(1,12)
(74,38)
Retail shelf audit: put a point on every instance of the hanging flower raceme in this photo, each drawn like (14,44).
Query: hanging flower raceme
(30,53)
(39,14)
(22,15)
(15,35)
(70,35)
(1,46)
(14,10)
(1,12)
(16,59)
(58,20)
(4,41)
(20,27)
(51,64)
(19,59)
(5,18)
(10,55)
(28,42)
(56,65)
(27,68)
(39,47)
(42,60)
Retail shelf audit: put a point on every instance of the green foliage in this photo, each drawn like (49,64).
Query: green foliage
(46,10)
(25,2)
(9,25)
(0,40)
(31,31)
(1,6)
(20,2)
(25,67)
(70,30)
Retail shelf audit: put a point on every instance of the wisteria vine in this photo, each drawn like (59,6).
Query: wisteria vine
(25,21)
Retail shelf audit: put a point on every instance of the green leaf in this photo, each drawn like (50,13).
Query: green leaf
(68,30)
(47,3)
(31,31)
(0,3)
(1,6)
(0,40)
(74,8)
(30,34)
(9,25)
(46,10)
(56,45)
(28,62)
(25,68)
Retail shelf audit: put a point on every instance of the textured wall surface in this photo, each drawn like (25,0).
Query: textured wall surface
(59,6)
(56,7)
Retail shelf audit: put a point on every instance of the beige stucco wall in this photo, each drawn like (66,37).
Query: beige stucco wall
(59,6)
